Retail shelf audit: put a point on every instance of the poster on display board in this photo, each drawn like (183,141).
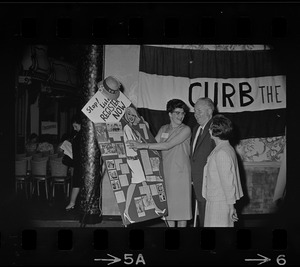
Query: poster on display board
(136,176)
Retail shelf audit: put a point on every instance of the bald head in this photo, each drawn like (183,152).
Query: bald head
(204,109)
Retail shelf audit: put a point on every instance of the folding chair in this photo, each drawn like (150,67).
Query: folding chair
(59,175)
(21,175)
(39,174)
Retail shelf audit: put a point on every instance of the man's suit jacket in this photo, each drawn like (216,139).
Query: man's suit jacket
(199,158)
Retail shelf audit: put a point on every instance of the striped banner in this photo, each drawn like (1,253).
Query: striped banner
(248,87)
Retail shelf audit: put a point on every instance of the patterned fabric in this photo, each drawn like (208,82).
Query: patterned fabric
(45,147)
(31,148)
(262,149)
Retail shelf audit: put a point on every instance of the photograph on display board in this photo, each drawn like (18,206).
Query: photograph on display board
(114,127)
(155,163)
(110,164)
(140,208)
(101,133)
(108,149)
(113,174)
(115,185)
(121,150)
(115,130)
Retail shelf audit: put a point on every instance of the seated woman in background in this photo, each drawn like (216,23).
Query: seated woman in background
(45,146)
(31,145)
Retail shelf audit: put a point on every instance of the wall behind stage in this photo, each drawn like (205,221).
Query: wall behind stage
(122,61)
(261,156)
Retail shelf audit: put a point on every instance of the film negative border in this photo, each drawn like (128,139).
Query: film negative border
(173,23)
(145,246)
(193,23)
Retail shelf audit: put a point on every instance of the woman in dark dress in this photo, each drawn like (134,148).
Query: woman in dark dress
(77,173)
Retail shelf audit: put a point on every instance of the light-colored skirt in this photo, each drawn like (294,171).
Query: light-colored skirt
(137,171)
(217,214)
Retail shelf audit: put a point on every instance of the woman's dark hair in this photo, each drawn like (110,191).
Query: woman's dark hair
(32,136)
(176,103)
(46,138)
(64,137)
(221,127)
(76,119)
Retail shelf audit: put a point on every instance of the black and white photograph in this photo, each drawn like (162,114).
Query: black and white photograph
(115,130)
(114,127)
(115,185)
(140,206)
(121,150)
(206,91)
(162,196)
(154,163)
(110,164)
(108,149)
(101,132)
(113,175)
(148,202)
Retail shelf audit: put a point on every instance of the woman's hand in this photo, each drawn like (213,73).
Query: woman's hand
(232,213)
(134,144)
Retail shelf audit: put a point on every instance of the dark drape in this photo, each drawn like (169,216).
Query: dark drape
(217,64)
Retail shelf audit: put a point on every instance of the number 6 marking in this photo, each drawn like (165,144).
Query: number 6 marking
(281,260)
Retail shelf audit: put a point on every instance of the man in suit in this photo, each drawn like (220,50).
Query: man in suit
(201,146)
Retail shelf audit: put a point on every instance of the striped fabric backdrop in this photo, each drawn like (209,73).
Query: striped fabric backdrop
(247,86)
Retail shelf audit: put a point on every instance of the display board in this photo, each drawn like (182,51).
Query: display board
(136,176)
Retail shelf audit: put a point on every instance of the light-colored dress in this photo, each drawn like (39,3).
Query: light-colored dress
(177,172)
(221,185)
(133,161)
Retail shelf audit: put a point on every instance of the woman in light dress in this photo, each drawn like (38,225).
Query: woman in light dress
(221,179)
(173,140)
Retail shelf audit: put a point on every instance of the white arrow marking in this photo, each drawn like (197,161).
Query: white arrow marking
(114,260)
(263,260)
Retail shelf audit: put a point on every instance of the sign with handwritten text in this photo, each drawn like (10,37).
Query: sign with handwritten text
(100,109)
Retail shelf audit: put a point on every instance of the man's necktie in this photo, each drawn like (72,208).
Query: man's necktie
(197,138)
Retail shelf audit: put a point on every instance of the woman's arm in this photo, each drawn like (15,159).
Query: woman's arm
(176,140)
